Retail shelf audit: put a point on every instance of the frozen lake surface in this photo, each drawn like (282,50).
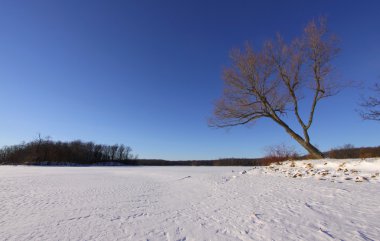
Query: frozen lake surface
(182,203)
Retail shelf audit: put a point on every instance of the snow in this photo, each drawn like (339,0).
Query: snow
(334,170)
(189,203)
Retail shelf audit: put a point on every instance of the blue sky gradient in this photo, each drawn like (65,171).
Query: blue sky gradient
(146,73)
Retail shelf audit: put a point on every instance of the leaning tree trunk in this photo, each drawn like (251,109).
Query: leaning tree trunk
(313,151)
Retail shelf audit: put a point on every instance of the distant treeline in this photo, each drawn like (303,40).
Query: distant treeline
(47,152)
(349,151)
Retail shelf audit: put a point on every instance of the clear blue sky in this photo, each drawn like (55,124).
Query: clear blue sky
(146,73)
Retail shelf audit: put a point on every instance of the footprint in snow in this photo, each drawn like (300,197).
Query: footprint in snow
(184,178)
(365,237)
(327,233)
(256,219)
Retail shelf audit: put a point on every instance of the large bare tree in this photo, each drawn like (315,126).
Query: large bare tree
(371,106)
(270,83)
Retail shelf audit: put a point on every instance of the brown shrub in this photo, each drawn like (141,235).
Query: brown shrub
(279,153)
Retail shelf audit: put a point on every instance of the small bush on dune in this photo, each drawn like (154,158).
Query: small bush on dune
(279,153)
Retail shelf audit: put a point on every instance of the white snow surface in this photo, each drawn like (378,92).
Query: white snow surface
(334,170)
(188,203)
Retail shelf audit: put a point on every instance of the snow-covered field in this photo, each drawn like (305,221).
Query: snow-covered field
(187,203)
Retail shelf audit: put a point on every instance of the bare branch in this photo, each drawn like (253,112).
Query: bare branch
(371,106)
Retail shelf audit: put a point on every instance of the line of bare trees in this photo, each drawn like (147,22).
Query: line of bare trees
(48,152)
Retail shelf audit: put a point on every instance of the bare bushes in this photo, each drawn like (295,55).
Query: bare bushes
(279,153)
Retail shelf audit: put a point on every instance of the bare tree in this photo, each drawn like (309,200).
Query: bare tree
(371,106)
(281,151)
(113,151)
(270,83)
(128,153)
(120,152)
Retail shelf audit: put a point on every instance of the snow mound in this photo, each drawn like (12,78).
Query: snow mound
(334,170)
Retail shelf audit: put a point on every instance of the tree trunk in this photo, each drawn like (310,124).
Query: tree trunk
(313,151)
